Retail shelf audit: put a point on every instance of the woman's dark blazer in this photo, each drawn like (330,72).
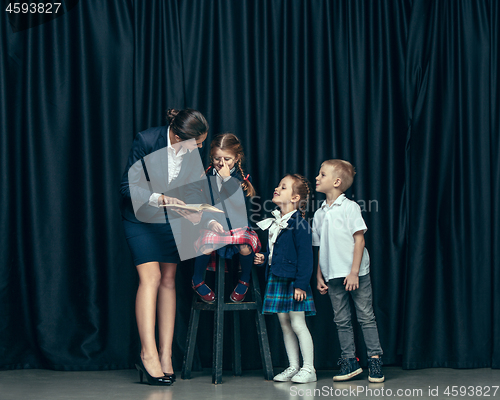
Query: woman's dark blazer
(148,159)
(292,253)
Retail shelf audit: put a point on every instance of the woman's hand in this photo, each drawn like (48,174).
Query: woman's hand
(299,294)
(258,258)
(193,216)
(216,227)
(169,200)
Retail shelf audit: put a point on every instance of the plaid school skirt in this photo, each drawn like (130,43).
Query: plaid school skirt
(230,241)
(279,297)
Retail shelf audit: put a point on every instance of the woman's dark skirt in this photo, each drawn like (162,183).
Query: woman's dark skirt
(151,242)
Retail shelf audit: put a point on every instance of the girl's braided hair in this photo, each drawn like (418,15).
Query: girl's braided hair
(229,141)
(301,187)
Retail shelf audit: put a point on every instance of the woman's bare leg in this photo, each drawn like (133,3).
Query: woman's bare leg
(166,315)
(145,313)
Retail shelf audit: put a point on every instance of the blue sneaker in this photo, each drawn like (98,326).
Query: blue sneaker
(349,368)
(375,370)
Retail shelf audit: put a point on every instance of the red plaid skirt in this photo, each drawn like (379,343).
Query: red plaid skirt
(230,240)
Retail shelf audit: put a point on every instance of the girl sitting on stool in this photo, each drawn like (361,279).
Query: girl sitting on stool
(226,180)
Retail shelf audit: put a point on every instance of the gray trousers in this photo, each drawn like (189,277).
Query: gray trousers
(362,298)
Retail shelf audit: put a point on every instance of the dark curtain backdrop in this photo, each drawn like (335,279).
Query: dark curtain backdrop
(406,90)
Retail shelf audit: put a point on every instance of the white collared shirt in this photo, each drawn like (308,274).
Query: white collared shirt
(174,167)
(174,159)
(332,230)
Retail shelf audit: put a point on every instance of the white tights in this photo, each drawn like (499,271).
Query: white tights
(293,325)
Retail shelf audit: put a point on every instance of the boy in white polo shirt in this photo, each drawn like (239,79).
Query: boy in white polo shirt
(344,267)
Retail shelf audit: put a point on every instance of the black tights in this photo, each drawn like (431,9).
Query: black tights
(200,264)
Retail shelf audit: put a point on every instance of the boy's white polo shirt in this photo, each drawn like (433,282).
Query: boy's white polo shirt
(333,230)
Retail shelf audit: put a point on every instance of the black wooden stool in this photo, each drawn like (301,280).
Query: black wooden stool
(219,307)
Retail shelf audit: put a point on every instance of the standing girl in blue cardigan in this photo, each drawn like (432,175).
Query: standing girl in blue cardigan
(289,266)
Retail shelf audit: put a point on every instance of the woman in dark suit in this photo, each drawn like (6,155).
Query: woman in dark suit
(162,167)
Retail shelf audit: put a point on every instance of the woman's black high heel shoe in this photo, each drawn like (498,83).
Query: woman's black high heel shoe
(170,376)
(161,381)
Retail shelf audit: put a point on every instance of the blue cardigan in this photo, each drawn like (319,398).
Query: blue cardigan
(292,254)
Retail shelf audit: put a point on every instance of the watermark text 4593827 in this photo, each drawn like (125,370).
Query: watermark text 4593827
(33,8)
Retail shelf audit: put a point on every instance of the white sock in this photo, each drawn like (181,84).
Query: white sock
(298,322)
(291,343)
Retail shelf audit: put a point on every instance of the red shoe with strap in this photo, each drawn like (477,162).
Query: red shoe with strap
(207,298)
(236,297)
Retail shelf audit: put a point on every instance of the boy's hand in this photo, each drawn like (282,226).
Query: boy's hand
(351,282)
(322,286)
(259,258)
(299,294)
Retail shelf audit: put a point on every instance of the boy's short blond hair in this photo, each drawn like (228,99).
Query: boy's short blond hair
(344,170)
